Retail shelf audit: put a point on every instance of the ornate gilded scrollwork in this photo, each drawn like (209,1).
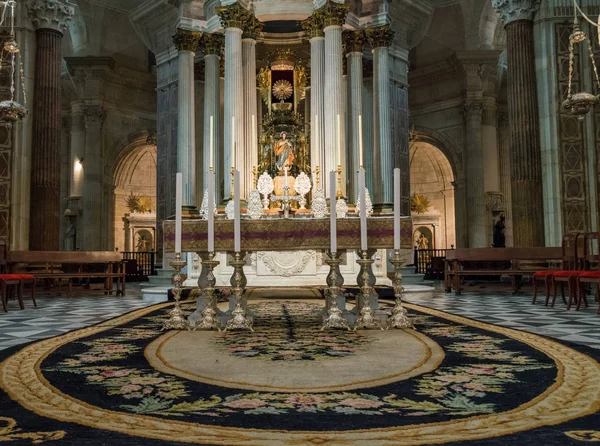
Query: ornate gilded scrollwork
(234,16)
(313,26)
(212,44)
(380,36)
(354,41)
(253,28)
(333,14)
(186,40)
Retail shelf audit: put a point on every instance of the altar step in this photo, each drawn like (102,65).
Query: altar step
(409,277)
(162,279)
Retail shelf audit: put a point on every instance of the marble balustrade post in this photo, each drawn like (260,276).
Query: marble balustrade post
(355,42)
(50,20)
(213,45)
(186,42)
(234,19)
(334,16)
(525,151)
(380,39)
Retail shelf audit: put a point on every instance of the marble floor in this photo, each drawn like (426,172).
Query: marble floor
(487,303)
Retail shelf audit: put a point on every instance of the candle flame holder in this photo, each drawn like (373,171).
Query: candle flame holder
(367,318)
(240,320)
(177,320)
(335,280)
(209,319)
(399,317)
(338,193)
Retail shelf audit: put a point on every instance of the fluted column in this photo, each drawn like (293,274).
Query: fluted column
(186,43)
(368,124)
(233,19)
(380,39)
(314,27)
(93,205)
(333,16)
(525,152)
(504,167)
(354,43)
(249,144)
(213,46)
(50,19)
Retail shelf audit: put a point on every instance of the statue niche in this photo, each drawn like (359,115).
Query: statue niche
(283,143)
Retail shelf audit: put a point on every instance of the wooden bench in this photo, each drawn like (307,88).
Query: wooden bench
(56,264)
(513,262)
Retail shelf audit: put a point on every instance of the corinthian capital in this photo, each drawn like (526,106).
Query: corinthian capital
(333,14)
(252,28)
(472,108)
(186,40)
(93,115)
(313,26)
(511,10)
(234,16)
(381,36)
(354,41)
(212,43)
(51,14)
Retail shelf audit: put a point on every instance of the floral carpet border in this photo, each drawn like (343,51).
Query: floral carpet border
(576,393)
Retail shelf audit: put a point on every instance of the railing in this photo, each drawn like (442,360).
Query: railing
(140,265)
(423,259)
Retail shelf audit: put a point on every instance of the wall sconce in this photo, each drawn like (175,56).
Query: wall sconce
(80,161)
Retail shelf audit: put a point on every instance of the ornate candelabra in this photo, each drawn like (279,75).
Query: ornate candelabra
(239,317)
(209,319)
(399,317)
(177,320)
(286,202)
(254,177)
(338,194)
(367,318)
(265,187)
(335,280)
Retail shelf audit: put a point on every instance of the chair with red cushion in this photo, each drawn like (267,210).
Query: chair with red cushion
(545,276)
(592,264)
(24,278)
(7,280)
(28,279)
(572,267)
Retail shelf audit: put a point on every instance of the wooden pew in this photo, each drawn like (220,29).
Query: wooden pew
(513,262)
(56,265)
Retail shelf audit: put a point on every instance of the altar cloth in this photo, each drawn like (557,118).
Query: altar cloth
(287,234)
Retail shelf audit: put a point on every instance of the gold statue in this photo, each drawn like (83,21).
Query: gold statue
(284,152)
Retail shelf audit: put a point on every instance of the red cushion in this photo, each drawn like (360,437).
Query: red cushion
(590,275)
(9,277)
(26,276)
(544,273)
(567,273)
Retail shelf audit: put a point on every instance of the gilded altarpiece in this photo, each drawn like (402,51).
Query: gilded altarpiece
(575,205)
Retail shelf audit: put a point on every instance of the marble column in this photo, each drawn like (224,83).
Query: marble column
(333,16)
(234,19)
(213,46)
(314,27)
(354,43)
(380,39)
(367,114)
(186,43)
(50,20)
(249,145)
(525,151)
(93,196)
(504,167)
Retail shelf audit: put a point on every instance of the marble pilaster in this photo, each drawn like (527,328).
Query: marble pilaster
(354,43)
(525,151)
(186,43)
(380,39)
(50,19)
(213,46)
(333,16)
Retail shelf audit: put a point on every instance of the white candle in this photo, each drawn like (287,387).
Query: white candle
(397,192)
(332,215)
(285,176)
(212,143)
(178,202)
(236,208)
(363,209)
(211,211)
(360,142)
(233,141)
(339,140)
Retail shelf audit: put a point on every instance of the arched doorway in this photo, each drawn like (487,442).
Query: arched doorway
(432,199)
(135,199)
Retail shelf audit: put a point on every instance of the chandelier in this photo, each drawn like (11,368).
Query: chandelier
(580,104)
(10,110)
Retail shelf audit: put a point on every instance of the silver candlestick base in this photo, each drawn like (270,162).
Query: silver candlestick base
(367,318)
(399,318)
(239,318)
(209,319)
(335,280)
(177,320)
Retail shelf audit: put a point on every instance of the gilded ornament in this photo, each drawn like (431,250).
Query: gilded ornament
(186,40)
(282,89)
(212,44)
(263,79)
(419,203)
(253,28)
(313,26)
(234,16)
(333,14)
(354,41)
(379,37)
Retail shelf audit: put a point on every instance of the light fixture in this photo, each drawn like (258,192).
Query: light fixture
(10,110)
(580,104)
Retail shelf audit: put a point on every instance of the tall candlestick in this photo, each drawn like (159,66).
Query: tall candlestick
(211,211)
(212,143)
(397,208)
(178,209)
(360,142)
(285,176)
(332,214)
(237,236)
(363,209)
(339,141)
(233,141)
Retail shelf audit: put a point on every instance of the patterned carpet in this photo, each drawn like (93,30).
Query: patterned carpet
(480,383)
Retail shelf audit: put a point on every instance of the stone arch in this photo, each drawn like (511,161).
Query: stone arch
(442,143)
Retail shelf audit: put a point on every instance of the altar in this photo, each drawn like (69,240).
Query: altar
(288,252)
